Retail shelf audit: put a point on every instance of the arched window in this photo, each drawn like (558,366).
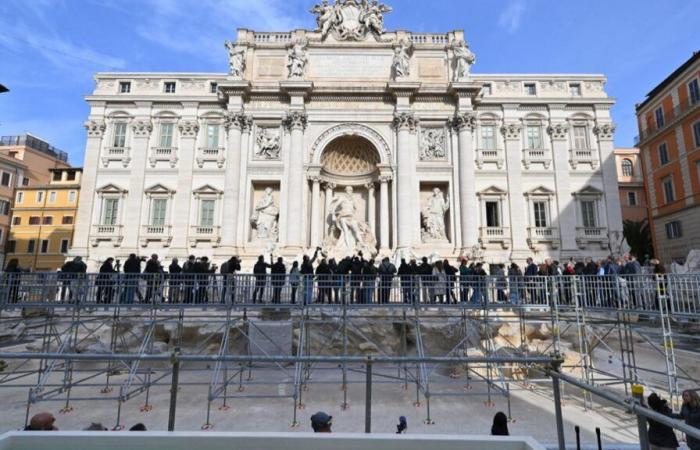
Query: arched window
(627,168)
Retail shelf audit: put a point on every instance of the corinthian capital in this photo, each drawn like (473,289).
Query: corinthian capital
(463,121)
(604,131)
(188,128)
(511,130)
(238,121)
(142,128)
(558,131)
(295,120)
(405,121)
(95,128)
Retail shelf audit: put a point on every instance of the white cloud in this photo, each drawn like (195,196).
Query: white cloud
(510,18)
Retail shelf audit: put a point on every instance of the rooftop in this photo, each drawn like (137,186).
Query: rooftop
(669,79)
(35,143)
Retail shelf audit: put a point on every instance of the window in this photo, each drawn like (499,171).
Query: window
(5,179)
(70,175)
(694,91)
(4,207)
(67,220)
(25,181)
(52,197)
(659,114)
(696,133)
(169,87)
(44,246)
(540,210)
(589,218)
(71,197)
(31,246)
(488,137)
(206,213)
(57,176)
(47,220)
(11,246)
(486,89)
(64,245)
(534,137)
(34,220)
(493,214)
(212,136)
(166,135)
(669,193)
(530,89)
(575,89)
(20,197)
(673,230)
(39,196)
(632,198)
(627,168)
(124,87)
(110,211)
(213,87)
(663,154)
(158,211)
(580,137)
(17,220)
(119,139)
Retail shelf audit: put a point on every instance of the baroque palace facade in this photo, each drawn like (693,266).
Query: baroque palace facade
(350,138)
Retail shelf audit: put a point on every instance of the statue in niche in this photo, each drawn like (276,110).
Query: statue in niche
(348,233)
(297,60)
(464,58)
(264,218)
(236,59)
(432,145)
(268,144)
(402,57)
(434,228)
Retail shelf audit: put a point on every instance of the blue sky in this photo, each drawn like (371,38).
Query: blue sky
(49,49)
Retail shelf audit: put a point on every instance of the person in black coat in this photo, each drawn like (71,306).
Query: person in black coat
(369,279)
(405,275)
(500,425)
(337,279)
(174,281)
(132,271)
(356,266)
(660,435)
(386,273)
(278,272)
(260,272)
(188,278)
(203,274)
(11,278)
(152,273)
(105,281)
(325,282)
(451,274)
(307,276)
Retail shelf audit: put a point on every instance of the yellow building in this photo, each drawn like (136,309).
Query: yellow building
(43,219)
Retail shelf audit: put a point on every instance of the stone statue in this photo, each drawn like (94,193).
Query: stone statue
(350,19)
(268,144)
(297,60)
(464,60)
(236,59)
(432,145)
(264,218)
(327,16)
(401,64)
(372,16)
(355,235)
(434,217)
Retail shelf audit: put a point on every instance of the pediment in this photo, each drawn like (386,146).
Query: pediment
(589,190)
(159,189)
(540,190)
(207,189)
(492,190)
(111,189)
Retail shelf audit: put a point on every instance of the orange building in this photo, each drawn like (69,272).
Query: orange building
(669,140)
(630,179)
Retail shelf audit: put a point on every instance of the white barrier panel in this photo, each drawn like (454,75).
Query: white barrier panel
(104,440)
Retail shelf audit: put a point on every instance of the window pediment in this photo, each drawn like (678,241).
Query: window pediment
(589,191)
(492,191)
(540,191)
(112,189)
(207,190)
(159,189)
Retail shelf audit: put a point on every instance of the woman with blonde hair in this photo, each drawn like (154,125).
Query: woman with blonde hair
(690,413)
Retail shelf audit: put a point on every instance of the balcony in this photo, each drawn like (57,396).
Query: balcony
(490,236)
(537,156)
(202,233)
(489,156)
(543,235)
(107,233)
(207,154)
(585,236)
(671,118)
(156,233)
(167,154)
(118,154)
(583,156)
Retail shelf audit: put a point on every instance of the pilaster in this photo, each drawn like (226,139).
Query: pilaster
(188,128)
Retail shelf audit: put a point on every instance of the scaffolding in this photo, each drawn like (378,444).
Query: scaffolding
(102,339)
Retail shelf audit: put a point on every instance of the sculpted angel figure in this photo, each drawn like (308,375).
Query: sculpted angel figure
(297,60)
(434,215)
(372,16)
(327,16)
(265,216)
(401,63)
(464,58)
(236,59)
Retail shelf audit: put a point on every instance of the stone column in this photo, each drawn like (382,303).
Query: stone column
(236,123)
(296,123)
(465,123)
(405,124)
(384,243)
(566,206)
(315,210)
(516,201)
(604,131)
(84,221)
(141,132)
(330,187)
(372,207)
(183,196)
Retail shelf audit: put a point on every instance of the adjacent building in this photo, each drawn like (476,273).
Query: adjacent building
(630,178)
(11,177)
(669,140)
(43,219)
(349,137)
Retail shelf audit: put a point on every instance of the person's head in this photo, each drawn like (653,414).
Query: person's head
(280,260)
(109,260)
(174,261)
(529,260)
(513,266)
(463,262)
(42,421)
(321,422)
(500,425)
(691,398)
(138,427)
(403,261)
(205,259)
(305,258)
(14,262)
(438,265)
(295,264)
(261,258)
(77,259)
(656,403)
(424,260)
(191,258)
(132,255)
(385,260)
(402,426)
(95,426)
